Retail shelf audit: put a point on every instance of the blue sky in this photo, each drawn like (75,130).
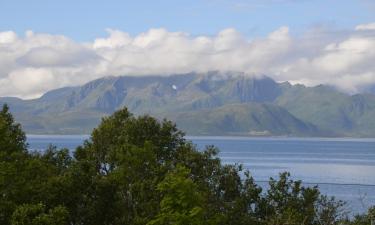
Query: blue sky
(85,20)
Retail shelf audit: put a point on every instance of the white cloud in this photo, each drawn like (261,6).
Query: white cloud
(369,26)
(35,63)
(7,37)
(116,39)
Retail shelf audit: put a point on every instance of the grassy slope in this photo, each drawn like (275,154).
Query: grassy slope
(243,119)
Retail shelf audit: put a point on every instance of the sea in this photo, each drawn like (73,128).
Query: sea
(343,168)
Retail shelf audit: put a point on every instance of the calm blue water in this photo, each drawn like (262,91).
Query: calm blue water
(344,168)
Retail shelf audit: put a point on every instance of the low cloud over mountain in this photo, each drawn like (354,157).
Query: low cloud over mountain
(34,63)
(213,103)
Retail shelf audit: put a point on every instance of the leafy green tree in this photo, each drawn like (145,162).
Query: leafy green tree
(128,156)
(289,202)
(25,177)
(36,214)
(12,138)
(122,130)
(182,202)
(329,211)
(12,153)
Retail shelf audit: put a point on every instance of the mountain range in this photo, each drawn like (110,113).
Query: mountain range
(213,103)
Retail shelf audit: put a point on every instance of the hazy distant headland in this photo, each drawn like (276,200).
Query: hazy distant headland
(213,103)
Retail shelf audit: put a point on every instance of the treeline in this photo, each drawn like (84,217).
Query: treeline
(141,171)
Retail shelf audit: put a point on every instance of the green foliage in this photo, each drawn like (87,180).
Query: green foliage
(36,215)
(138,171)
(12,138)
(12,155)
(182,202)
(364,219)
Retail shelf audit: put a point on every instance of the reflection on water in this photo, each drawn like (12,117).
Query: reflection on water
(344,168)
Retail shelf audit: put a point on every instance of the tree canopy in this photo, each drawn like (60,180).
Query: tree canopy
(142,171)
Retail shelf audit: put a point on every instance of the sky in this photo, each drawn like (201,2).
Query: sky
(48,44)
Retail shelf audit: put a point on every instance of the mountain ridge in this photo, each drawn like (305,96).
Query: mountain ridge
(187,98)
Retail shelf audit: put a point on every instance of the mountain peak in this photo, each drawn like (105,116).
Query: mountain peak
(229,97)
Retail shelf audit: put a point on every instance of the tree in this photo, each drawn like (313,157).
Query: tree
(36,214)
(26,177)
(12,152)
(12,138)
(126,157)
(124,130)
(182,202)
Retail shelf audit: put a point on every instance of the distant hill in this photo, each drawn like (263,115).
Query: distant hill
(248,119)
(213,103)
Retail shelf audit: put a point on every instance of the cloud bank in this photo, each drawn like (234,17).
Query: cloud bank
(34,63)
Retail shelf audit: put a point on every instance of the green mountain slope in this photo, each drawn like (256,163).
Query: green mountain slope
(254,119)
(230,103)
(330,110)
